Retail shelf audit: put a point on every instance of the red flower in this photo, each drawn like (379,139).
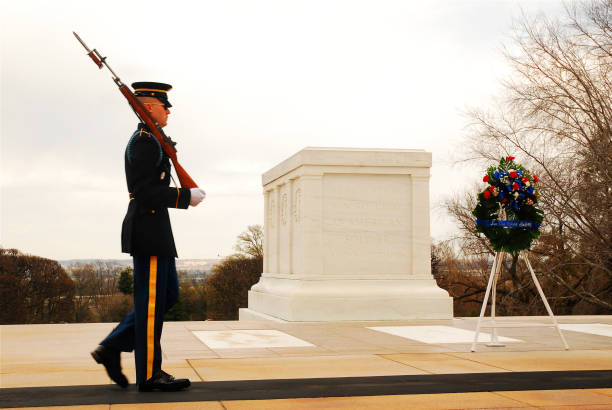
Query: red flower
(504,200)
(485,179)
(487,194)
(535,179)
(513,174)
(525,179)
(492,188)
(509,158)
(515,186)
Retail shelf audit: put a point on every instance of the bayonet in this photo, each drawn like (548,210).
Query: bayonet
(98,59)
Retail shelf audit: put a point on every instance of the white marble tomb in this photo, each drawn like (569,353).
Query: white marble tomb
(347,238)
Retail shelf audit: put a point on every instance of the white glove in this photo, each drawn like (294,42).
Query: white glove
(197,196)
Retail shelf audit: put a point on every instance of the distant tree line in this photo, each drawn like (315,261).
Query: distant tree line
(39,290)
(34,289)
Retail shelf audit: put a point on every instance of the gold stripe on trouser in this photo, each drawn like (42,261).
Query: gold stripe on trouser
(151,315)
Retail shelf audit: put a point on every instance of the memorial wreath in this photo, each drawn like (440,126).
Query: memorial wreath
(506,211)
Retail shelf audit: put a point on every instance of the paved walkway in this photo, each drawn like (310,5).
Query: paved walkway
(276,365)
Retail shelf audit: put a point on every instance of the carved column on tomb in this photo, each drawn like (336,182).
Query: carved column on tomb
(421,243)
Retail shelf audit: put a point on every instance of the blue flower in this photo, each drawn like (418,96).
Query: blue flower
(514,205)
(530,190)
(501,196)
(496,175)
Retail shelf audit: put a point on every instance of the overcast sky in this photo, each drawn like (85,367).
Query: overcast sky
(253,83)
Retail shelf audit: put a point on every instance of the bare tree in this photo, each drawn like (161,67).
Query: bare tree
(250,242)
(556,118)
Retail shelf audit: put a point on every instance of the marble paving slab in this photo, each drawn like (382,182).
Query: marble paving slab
(237,339)
(439,334)
(592,328)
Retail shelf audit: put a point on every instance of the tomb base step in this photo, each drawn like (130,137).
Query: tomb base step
(350,299)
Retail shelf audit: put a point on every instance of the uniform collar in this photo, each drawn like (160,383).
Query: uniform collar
(142,126)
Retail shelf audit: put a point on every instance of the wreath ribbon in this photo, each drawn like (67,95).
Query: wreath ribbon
(507,224)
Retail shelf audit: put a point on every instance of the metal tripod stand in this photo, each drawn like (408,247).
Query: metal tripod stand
(495,269)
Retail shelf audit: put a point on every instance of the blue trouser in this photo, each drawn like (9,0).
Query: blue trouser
(155,291)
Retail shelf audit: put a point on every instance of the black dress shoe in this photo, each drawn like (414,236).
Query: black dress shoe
(111,360)
(164,382)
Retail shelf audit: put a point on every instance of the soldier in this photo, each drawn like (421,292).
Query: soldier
(147,236)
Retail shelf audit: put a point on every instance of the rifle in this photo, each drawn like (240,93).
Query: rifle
(141,112)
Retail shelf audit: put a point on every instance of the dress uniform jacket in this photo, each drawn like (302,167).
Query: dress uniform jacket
(146,227)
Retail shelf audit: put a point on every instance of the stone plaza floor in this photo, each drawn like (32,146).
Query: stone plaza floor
(350,365)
